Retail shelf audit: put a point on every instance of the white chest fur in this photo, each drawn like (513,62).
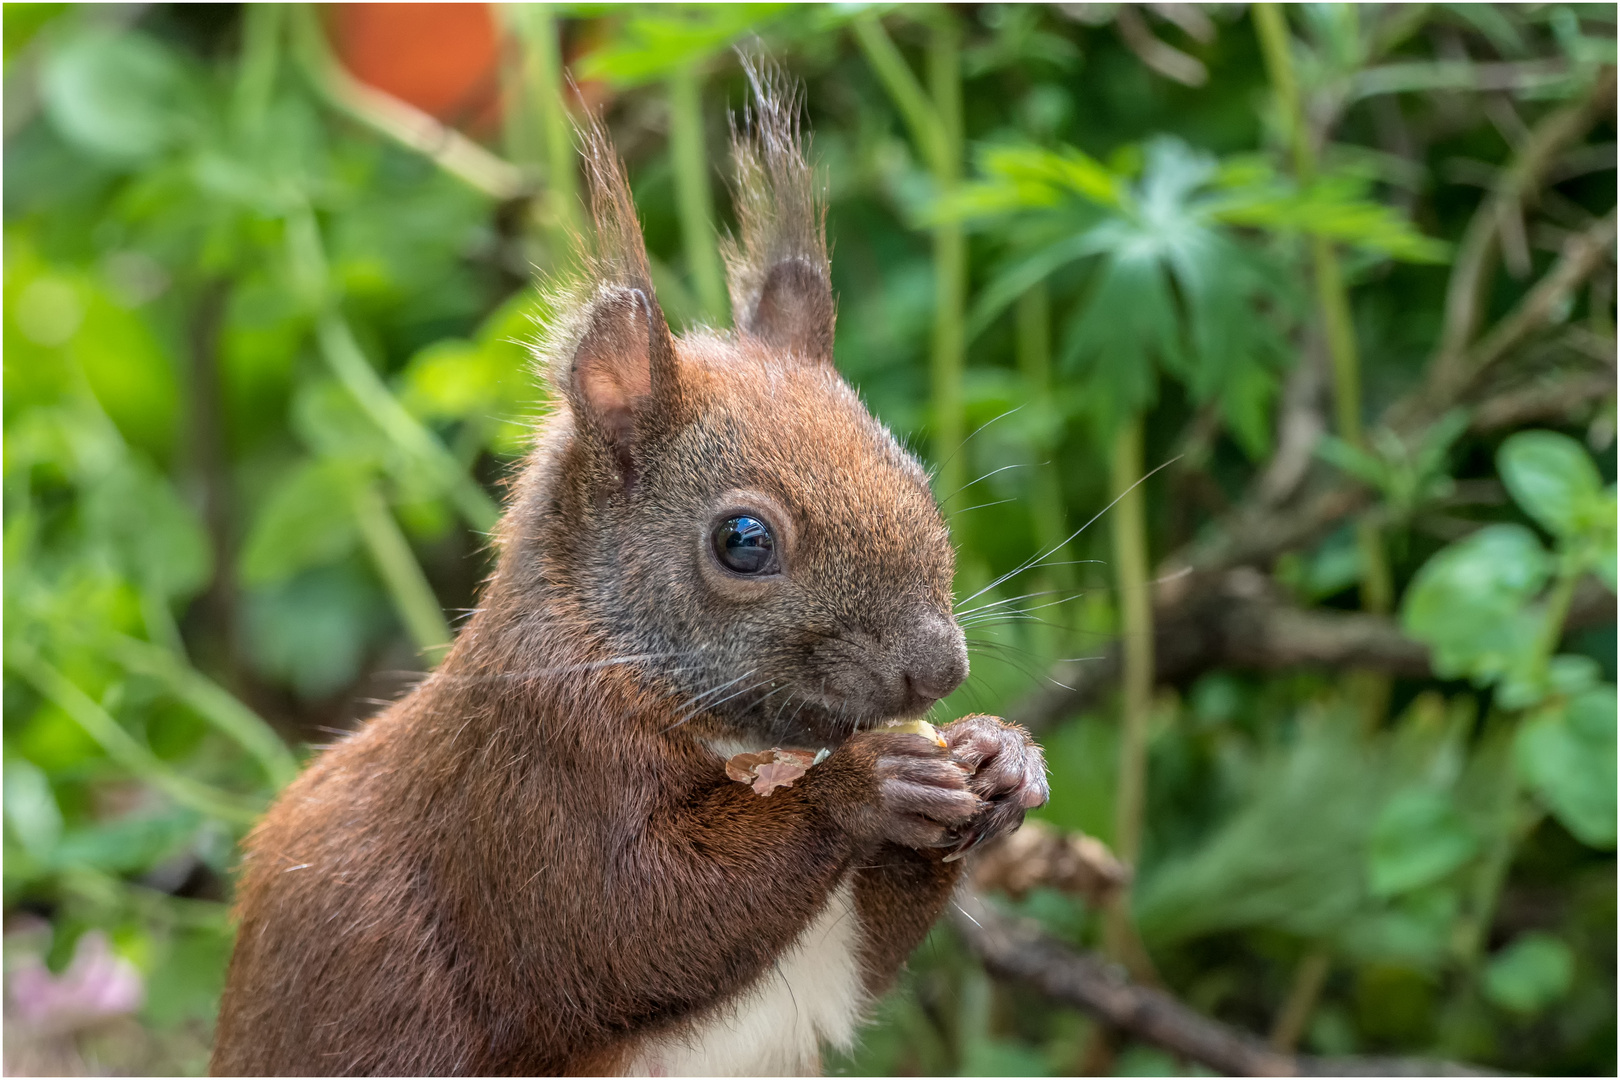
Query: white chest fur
(776,1027)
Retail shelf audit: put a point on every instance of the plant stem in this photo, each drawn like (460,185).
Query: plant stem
(935,121)
(1136,644)
(1333,301)
(1309,977)
(950,255)
(212,702)
(1136,637)
(694,195)
(119,744)
(306,259)
(261,54)
(413,597)
(538,128)
(1034,347)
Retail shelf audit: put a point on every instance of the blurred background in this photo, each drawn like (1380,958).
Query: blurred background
(1266,357)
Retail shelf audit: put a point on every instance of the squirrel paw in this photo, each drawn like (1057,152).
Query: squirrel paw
(1008,773)
(923,798)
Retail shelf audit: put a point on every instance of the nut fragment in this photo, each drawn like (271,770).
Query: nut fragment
(915,727)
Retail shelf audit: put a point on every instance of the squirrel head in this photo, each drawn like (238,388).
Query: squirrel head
(723,506)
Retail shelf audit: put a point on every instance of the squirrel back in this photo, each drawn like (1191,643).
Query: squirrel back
(535,862)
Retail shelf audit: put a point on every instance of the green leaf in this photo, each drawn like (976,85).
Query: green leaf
(1469,603)
(1418,839)
(32,813)
(1552,478)
(1567,757)
(655,41)
(1532,973)
(307,521)
(120,95)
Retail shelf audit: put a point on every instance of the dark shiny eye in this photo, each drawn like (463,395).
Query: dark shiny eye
(745,545)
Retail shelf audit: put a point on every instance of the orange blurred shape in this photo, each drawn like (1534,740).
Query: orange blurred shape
(442,58)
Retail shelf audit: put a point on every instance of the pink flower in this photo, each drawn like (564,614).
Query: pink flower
(98,984)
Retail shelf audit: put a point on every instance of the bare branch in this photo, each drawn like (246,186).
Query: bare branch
(1239,619)
(1015,949)
(1470,276)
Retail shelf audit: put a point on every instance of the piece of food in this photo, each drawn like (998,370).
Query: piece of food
(916,727)
(768,770)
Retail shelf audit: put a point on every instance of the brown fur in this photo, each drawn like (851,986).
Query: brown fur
(535,862)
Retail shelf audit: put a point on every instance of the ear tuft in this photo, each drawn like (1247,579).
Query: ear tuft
(619,370)
(781,289)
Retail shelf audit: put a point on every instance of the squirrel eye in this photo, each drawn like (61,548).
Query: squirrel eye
(745,545)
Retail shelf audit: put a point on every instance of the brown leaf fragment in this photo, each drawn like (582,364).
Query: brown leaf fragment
(768,770)
(1038,854)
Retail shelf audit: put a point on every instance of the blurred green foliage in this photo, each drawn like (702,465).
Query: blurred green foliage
(265,371)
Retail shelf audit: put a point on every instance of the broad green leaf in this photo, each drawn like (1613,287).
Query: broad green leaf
(1552,478)
(307,521)
(1567,757)
(32,813)
(120,95)
(1469,603)
(1418,839)
(656,40)
(1532,973)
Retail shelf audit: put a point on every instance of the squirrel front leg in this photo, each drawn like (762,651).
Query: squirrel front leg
(720,880)
(900,892)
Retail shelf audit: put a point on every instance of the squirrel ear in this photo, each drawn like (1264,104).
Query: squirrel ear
(795,311)
(623,371)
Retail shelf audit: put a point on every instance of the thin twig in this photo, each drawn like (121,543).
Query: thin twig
(1015,949)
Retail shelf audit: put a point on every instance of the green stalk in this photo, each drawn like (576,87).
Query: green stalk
(1129,528)
(1303,995)
(261,54)
(1370,689)
(119,744)
(307,262)
(694,195)
(212,702)
(1034,348)
(950,256)
(1377,588)
(935,121)
(1128,523)
(539,129)
(413,597)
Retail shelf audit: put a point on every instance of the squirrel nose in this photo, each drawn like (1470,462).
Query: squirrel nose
(935,658)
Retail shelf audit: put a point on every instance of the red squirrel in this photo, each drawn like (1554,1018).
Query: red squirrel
(535,862)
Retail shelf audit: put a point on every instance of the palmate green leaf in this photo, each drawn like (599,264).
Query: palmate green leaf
(1566,753)
(1120,336)
(1535,971)
(1336,207)
(1469,603)
(1552,478)
(1011,283)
